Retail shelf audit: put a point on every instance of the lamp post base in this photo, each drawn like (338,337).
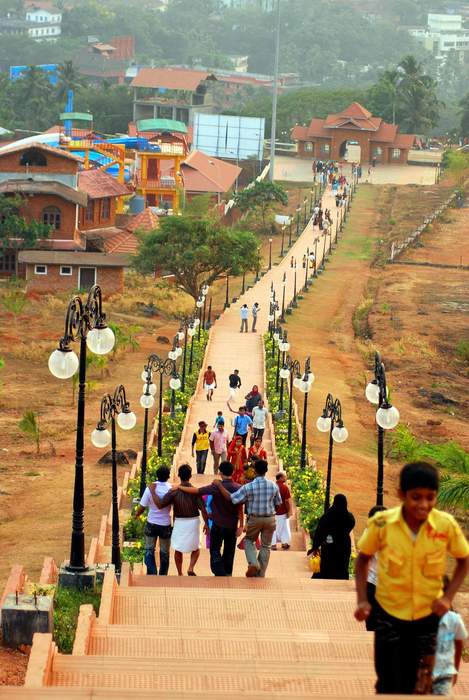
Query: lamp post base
(82,579)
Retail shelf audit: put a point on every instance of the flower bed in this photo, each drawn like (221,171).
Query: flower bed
(306,484)
(172,431)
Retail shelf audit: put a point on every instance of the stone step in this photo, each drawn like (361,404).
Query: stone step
(225,677)
(233,613)
(254,584)
(264,596)
(21,693)
(186,643)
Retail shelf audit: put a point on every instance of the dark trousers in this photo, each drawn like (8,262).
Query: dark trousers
(371,595)
(201,460)
(222,564)
(404,653)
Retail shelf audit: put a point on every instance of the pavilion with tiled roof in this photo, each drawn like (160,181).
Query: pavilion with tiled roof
(327,139)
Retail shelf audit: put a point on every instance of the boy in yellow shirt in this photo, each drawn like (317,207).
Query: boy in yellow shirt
(412,541)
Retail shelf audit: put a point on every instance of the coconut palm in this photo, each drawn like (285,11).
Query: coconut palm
(68,78)
(464,113)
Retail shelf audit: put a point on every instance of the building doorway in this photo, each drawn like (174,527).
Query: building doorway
(350,151)
(86,277)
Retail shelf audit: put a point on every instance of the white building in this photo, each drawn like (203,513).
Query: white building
(45,22)
(444,33)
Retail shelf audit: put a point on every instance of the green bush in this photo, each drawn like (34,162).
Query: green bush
(66,609)
(306,484)
(462,351)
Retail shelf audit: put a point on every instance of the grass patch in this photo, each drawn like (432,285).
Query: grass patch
(462,351)
(66,609)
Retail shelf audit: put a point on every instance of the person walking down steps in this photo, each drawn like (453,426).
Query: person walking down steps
(255,311)
(200,440)
(244,313)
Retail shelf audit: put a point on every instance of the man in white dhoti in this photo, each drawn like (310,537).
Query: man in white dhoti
(185,537)
(282,532)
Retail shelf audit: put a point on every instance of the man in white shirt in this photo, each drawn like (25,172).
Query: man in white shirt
(244,313)
(158,524)
(259,417)
(255,311)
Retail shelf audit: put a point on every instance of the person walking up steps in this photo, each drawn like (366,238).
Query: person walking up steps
(158,525)
(412,542)
(261,497)
(210,382)
(282,532)
(227,522)
(185,537)
(200,440)
(219,444)
(255,311)
(244,313)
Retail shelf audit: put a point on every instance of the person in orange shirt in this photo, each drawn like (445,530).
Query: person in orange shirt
(210,382)
(412,542)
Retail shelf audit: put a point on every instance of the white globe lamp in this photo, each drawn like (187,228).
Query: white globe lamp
(63,363)
(100,340)
(127,420)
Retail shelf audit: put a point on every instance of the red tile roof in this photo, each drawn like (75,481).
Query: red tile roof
(147,220)
(356,110)
(114,239)
(386,133)
(203,173)
(299,133)
(97,184)
(17,147)
(405,141)
(170,78)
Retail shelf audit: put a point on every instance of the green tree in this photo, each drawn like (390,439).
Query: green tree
(417,101)
(261,197)
(15,231)
(457,163)
(464,114)
(29,425)
(196,251)
(68,78)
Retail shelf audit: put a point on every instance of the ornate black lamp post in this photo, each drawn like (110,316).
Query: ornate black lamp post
(277,339)
(310,258)
(331,422)
(315,271)
(113,408)
(86,323)
(199,304)
(283,241)
(298,212)
(153,365)
(291,370)
(174,383)
(284,347)
(181,336)
(284,286)
(290,231)
(227,294)
(305,217)
(191,331)
(311,201)
(209,315)
(304,385)
(204,292)
(387,417)
(270,253)
(294,302)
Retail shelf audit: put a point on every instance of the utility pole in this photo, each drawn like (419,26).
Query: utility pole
(274,97)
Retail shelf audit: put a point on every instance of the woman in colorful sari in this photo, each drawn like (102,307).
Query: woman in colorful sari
(237,456)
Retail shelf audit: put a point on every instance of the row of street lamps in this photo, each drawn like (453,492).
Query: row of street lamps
(86,322)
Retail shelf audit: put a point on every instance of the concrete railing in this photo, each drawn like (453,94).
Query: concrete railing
(43,651)
(398,248)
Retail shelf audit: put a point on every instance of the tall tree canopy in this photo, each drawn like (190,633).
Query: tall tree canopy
(196,251)
(261,197)
(15,231)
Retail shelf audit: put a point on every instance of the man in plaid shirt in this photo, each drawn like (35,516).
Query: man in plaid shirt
(260,496)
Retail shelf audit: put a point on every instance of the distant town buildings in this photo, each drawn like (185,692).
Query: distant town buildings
(41,21)
(443,33)
(266,5)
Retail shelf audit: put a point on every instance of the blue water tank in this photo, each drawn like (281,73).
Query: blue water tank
(137,204)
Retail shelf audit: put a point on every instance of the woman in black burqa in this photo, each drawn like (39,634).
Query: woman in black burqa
(332,537)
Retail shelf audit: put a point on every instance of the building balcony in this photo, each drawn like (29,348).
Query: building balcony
(166,183)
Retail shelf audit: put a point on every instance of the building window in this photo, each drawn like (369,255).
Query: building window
(40,269)
(7,262)
(106,208)
(308,146)
(89,215)
(377,151)
(33,157)
(66,270)
(396,153)
(325,147)
(52,216)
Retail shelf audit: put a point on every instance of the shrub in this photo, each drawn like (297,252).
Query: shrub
(66,610)
(462,351)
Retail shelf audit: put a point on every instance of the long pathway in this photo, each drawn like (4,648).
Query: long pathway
(229,349)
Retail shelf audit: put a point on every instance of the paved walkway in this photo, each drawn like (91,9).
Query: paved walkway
(229,349)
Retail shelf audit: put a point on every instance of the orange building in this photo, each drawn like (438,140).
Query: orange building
(330,138)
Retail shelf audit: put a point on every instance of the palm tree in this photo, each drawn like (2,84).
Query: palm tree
(417,102)
(68,78)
